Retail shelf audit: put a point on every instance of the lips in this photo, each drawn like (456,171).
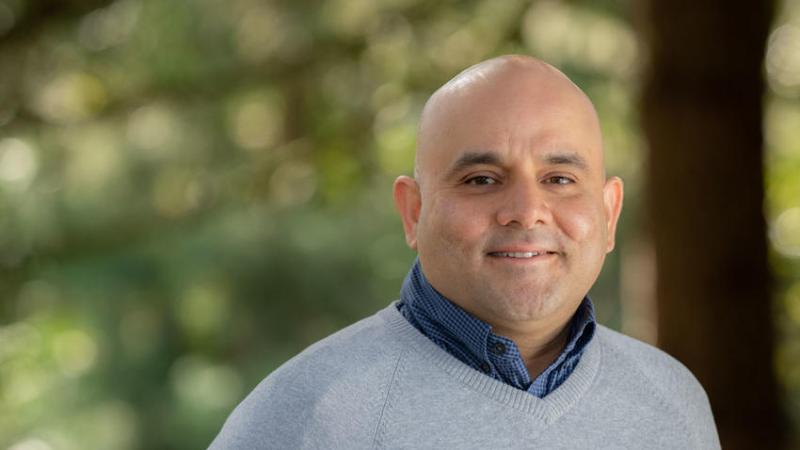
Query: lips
(515,254)
(520,254)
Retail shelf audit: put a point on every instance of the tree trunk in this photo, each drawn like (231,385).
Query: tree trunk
(702,116)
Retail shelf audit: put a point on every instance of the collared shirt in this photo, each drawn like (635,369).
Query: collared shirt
(471,340)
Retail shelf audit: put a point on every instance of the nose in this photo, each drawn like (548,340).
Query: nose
(524,205)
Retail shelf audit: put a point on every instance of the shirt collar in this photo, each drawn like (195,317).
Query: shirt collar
(433,310)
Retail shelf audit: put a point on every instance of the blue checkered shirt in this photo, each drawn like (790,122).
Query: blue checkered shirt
(471,340)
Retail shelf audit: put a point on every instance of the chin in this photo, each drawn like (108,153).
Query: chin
(526,307)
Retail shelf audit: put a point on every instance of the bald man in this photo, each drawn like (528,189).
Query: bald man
(493,342)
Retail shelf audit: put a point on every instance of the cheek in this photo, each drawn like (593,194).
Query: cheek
(583,222)
(453,225)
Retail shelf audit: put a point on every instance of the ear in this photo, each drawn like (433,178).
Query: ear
(612,198)
(408,202)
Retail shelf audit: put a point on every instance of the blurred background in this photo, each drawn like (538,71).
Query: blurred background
(191,192)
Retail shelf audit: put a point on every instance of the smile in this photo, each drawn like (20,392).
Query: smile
(519,254)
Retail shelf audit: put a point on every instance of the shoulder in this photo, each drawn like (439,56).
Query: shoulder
(636,363)
(330,392)
(664,371)
(358,347)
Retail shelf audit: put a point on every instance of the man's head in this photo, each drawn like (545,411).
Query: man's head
(510,210)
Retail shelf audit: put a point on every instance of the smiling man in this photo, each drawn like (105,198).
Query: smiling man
(493,343)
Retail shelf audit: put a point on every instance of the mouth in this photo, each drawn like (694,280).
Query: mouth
(521,255)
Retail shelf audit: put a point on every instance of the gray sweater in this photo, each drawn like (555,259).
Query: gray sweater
(380,383)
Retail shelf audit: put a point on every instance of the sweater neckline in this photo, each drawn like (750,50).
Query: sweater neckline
(547,409)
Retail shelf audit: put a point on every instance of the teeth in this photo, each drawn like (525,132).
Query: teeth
(517,254)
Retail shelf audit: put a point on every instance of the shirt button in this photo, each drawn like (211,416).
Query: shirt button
(498,348)
(485,367)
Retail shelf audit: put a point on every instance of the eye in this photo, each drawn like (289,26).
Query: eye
(559,179)
(481,180)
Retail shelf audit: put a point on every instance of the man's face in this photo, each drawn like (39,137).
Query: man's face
(515,214)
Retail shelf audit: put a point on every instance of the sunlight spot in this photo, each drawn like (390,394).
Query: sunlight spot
(204,386)
(785,232)
(18,162)
(70,97)
(31,444)
(75,352)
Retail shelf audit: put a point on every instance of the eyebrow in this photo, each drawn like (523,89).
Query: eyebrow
(470,159)
(566,158)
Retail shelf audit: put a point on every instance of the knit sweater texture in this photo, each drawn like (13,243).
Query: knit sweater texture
(381,384)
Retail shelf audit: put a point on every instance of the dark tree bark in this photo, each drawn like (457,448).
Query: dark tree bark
(702,115)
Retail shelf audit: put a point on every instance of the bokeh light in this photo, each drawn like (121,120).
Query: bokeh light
(18,162)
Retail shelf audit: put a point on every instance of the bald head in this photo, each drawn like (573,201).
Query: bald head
(494,90)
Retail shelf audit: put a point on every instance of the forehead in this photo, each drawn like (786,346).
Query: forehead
(514,117)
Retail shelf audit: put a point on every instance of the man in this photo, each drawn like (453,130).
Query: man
(493,343)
